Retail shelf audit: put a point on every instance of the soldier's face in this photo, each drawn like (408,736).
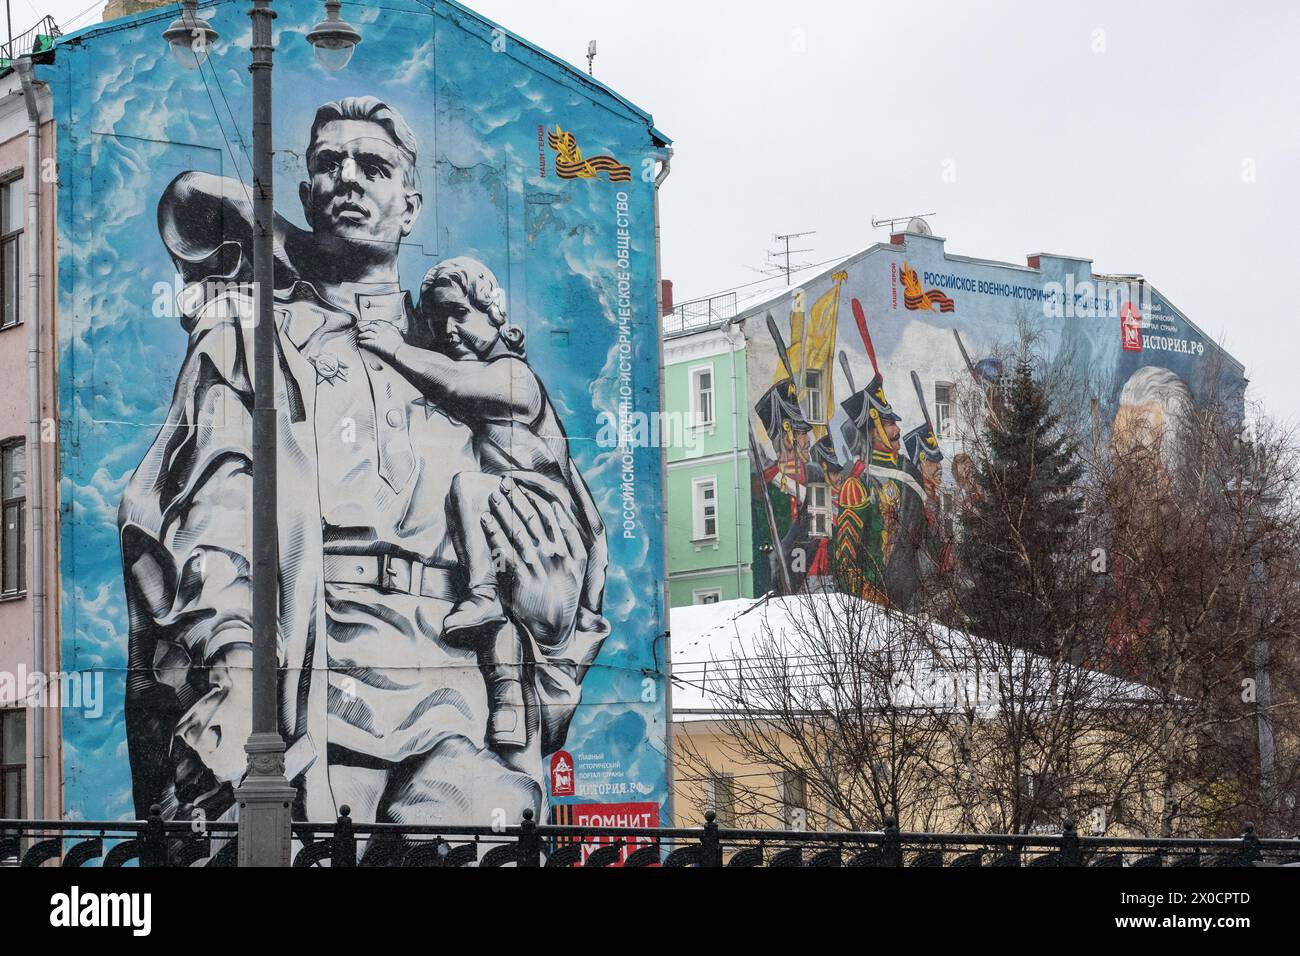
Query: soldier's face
(930,472)
(357,190)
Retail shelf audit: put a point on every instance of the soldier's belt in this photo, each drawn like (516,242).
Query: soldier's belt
(389,573)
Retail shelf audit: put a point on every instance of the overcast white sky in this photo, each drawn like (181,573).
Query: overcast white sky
(1160,137)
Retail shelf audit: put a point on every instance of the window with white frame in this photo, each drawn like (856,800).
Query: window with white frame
(819,510)
(702,395)
(814,396)
(13,518)
(706,596)
(11,255)
(943,409)
(706,509)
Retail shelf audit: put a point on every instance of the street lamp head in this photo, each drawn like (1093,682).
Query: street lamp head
(190,37)
(334,39)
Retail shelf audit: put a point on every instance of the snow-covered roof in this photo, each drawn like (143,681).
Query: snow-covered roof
(713,643)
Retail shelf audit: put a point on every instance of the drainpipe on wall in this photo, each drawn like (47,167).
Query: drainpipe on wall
(35,460)
(735,456)
(664,169)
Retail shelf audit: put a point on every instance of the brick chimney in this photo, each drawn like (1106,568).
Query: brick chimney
(666,295)
(124,8)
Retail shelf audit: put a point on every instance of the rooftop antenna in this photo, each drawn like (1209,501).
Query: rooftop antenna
(915,224)
(788,251)
(591,57)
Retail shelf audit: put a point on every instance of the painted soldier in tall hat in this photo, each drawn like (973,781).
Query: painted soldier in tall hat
(823,455)
(924,460)
(866,501)
(873,423)
(827,469)
(780,413)
(785,480)
(921,446)
(921,549)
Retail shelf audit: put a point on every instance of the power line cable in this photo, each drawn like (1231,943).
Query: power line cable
(94,6)
(229,112)
(221,127)
(746,285)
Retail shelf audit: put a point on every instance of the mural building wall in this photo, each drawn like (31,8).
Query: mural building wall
(855,380)
(471,565)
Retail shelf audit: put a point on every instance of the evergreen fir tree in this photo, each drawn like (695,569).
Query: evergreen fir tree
(1015,529)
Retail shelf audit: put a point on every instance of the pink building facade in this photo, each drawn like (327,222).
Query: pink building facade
(26,703)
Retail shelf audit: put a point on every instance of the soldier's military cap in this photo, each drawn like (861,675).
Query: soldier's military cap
(823,452)
(779,408)
(873,396)
(921,442)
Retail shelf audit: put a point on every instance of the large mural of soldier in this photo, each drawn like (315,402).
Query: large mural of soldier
(410,687)
(860,516)
(857,484)
(464,294)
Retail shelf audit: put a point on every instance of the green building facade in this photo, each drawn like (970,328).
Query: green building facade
(708,495)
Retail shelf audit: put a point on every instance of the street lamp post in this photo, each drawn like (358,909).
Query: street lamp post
(265,796)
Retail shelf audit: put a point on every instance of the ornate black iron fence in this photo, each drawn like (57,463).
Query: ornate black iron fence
(156,842)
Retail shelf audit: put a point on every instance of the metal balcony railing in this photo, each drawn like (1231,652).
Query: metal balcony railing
(699,315)
(36,40)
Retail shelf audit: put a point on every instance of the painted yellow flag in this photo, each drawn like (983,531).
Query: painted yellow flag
(812,350)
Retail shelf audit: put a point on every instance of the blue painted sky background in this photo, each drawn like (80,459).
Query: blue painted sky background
(130,120)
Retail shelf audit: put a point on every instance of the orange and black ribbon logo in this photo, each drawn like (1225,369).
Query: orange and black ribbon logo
(917,300)
(569,163)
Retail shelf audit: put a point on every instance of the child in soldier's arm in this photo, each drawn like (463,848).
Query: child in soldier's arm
(479,377)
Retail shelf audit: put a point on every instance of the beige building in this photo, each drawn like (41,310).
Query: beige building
(122,8)
(736,661)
